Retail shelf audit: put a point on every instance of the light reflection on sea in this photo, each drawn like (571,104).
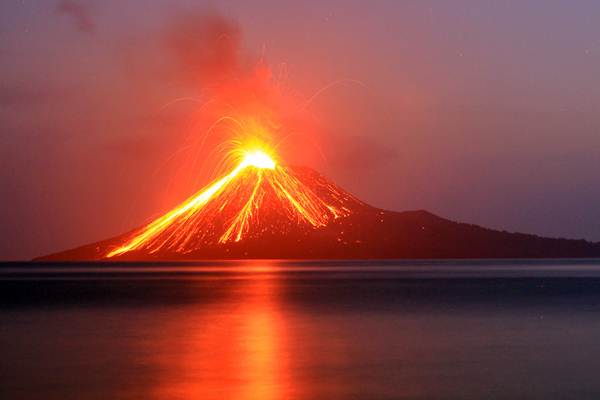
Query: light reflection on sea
(301,330)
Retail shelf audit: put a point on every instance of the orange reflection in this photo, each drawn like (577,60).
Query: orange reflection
(237,352)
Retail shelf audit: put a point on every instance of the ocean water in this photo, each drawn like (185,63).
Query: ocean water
(513,329)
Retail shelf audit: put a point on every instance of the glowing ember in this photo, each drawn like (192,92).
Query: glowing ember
(257,197)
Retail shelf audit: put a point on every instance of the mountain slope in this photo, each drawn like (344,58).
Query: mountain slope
(285,212)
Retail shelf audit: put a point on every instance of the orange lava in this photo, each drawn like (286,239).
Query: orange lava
(257,183)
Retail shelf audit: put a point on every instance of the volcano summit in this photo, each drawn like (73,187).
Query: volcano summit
(262,209)
(258,198)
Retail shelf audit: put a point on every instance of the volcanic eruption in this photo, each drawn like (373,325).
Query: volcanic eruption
(258,197)
(259,206)
(263,208)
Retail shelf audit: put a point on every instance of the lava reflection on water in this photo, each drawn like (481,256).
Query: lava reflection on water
(231,349)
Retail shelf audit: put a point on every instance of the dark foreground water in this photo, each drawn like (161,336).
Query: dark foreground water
(276,330)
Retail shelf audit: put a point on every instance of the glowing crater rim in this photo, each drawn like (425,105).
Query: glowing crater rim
(258,159)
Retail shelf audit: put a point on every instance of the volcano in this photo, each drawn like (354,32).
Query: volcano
(265,210)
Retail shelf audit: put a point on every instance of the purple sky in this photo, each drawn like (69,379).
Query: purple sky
(480,111)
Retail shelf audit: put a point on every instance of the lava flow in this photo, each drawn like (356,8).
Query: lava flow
(257,197)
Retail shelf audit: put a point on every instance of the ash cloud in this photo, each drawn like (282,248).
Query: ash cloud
(80,13)
(205,47)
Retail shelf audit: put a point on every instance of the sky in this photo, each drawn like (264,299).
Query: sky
(483,112)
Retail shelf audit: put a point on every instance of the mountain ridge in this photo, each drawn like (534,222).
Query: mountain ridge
(339,227)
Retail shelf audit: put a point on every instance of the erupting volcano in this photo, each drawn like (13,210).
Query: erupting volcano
(263,208)
(257,198)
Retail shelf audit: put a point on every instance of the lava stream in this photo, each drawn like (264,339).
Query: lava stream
(258,187)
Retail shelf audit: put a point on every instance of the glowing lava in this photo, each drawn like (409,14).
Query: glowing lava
(257,197)
(258,159)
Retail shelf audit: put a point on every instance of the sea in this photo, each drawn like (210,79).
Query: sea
(388,329)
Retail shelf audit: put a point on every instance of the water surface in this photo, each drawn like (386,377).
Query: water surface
(301,330)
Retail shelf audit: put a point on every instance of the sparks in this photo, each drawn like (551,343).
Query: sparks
(236,205)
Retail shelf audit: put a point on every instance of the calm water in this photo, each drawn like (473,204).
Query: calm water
(276,330)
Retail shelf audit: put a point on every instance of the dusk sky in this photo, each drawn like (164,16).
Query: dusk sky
(485,112)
